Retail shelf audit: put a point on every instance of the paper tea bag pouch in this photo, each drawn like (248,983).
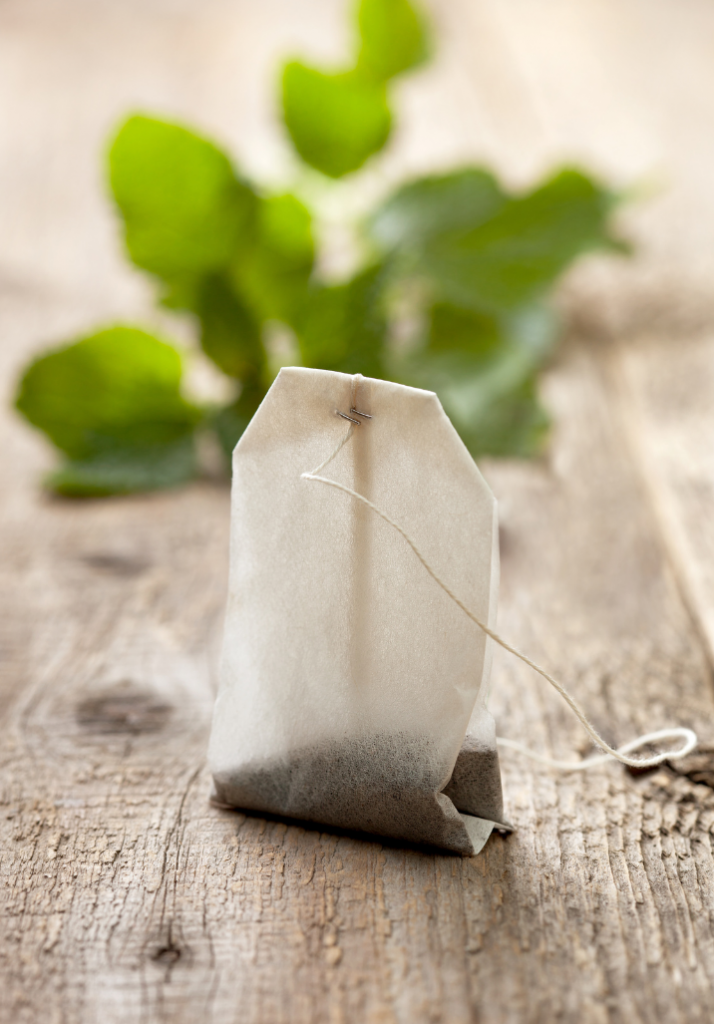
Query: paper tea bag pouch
(353,688)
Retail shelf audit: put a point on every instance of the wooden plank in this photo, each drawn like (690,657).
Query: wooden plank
(127,896)
(668,393)
(124,895)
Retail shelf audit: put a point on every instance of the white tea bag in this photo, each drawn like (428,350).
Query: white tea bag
(353,687)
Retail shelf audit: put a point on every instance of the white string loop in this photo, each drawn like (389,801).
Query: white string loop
(689,737)
(675,733)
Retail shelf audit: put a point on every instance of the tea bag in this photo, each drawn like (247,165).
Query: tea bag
(353,687)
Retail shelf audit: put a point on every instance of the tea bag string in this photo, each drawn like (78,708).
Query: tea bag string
(687,735)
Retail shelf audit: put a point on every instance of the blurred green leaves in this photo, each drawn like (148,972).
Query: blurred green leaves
(274,270)
(393,38)
(482,249)
(450,293)
(184,209)
(484,369)
(344,327)
(486,261)
(112,404)
(336,121)
(230,334)
(514,255)
(424,209)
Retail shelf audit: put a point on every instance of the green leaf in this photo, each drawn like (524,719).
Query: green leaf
(343,326)
(509,424)
(230,334)
(336,121)
(488,260)
(274,274)
(484,370)
(285,229)
(182,293)
(496,410)
(453,329)
(530,331)
(516,255)
(393,38)
(112,403)
(185,211)
(430,206)
(127,470)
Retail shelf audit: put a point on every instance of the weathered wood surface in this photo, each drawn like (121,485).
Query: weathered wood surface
(123,895)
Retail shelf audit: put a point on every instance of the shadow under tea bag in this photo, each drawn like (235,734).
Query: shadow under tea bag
(353,687)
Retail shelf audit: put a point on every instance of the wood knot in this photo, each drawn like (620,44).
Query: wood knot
(123,711)
(115,563)
(167,955)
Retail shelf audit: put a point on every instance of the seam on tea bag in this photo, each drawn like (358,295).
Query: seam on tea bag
(688,735)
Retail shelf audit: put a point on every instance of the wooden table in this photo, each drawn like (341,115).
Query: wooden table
(126,897)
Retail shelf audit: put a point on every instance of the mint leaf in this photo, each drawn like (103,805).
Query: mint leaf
(531,331)
(433,205)
(393,38)
(184,209)
(112,403)
(285,228)
(270,281)
(450,329)
(343,327)
(230,334)
(507,422)
(514,256)
(126,470)
(182,293)
(487,260)
(274,274)
(336,121)
(484,370)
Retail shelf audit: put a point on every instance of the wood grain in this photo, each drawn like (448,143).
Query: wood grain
(124,895)
(668,390)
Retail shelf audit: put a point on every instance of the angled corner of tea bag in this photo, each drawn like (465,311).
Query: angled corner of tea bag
(475,784)
(352,684)
(479,832)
